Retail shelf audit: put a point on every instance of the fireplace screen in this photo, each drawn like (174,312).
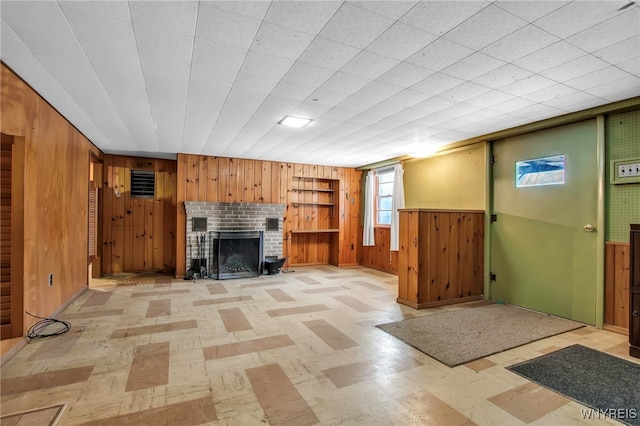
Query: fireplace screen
(235,254)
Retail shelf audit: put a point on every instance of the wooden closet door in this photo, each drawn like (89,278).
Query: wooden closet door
(11,237)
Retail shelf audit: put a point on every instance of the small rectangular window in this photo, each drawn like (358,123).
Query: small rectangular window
(540,171)
(143,184)
(384,194)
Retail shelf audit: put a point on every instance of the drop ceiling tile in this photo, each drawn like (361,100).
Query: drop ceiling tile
(220,26)
(369,65)
(268,65)
(407,98)
(620,52)
(473,66)
(610,32)
(514,104)
(405,75)
(611,91)
(527,85)
(578,16)
(632,66)
(214,56)
(520,43)
(550,93)
(390,9)
(491,98)
(530,11)
(288,89)
(327,97)
(464,91)
(156,42)
(439,54)
(431,105)
(310,109)
(309,16)
(328,54)
(578,67)
(502,76)
(400,41)
(203,108)
(253,9)
(549,57)
(370,95)
(278,41)
(307,75)
(597,78)
(437,83)
(160,65)
(105,9)
(345,83)
(168,17)
(537,112)
(339,113)
(256,83)
(568,102)
(355,26)
(485,27)
(439,17)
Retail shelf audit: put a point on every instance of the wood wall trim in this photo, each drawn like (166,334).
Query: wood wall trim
(616,285)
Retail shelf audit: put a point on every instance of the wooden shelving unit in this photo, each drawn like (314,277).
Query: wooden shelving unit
(315,218)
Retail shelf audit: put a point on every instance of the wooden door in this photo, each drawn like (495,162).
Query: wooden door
(11,236)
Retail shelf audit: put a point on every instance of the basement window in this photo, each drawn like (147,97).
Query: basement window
(540,171)
(143,184)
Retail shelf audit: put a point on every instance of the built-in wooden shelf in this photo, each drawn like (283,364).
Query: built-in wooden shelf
(312,190)
(313,231)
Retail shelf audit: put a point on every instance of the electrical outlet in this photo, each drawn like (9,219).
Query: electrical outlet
(627,170)
(308,218)
(50,280)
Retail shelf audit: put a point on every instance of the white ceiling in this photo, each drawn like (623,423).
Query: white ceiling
(380,79)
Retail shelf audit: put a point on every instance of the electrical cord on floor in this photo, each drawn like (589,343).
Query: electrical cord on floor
(36,330)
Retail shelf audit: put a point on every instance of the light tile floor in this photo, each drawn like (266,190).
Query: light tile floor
(297,348)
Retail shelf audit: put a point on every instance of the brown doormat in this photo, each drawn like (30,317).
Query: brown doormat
(464,335)
(48,416)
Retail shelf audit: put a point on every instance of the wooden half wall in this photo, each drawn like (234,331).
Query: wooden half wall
(221,179)
(138,234)
(616,287)
(56,191)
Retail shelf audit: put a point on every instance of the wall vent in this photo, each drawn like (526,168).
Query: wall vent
(272,224)
(143,184)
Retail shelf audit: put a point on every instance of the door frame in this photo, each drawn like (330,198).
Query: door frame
(600,209)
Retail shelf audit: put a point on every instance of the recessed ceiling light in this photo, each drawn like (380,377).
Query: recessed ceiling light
(294,121)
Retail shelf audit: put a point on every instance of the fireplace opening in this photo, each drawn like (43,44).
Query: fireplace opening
(236,254)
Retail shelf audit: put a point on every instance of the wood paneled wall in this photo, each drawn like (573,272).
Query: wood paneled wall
(221,179)
(616,285)
(380,256)
(138,234)
(56,176)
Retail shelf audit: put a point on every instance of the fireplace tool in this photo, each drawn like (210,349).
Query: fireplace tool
(203,259)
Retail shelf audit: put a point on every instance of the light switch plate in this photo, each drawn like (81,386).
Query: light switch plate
(626,170)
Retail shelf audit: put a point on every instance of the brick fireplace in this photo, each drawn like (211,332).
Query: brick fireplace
(216,217)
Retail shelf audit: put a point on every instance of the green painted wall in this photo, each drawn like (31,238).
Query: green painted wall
(454,180)
(622,202)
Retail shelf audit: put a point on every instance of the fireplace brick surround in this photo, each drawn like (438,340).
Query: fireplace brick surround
(222,216)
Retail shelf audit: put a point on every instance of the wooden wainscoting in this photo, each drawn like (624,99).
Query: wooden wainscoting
(380,256)
(616,287)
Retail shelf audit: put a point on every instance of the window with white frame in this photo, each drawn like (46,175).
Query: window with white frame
(384,197)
